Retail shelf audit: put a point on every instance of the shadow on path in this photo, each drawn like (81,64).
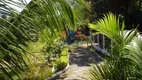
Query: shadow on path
(80,61)
(84,57)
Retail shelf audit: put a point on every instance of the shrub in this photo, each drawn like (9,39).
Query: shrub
(61,63)
(64,52)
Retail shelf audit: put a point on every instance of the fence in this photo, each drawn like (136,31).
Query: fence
(104,44)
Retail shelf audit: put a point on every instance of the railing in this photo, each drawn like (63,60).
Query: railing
(102,45)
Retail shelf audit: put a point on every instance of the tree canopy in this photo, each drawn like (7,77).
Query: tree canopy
(129,10)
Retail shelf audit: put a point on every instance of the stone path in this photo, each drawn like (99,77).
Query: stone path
(80,62)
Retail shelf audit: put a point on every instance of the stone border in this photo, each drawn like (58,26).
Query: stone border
(59,72)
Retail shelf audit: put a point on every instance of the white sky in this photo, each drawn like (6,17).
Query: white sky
(18,8)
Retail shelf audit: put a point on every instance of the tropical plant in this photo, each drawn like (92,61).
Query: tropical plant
(62,62)
(21,28)
(117,67)
(135,49)
(12,60)
(135,53)
(38,68)
(113,29)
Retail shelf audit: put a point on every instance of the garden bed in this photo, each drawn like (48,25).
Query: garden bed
(60,64)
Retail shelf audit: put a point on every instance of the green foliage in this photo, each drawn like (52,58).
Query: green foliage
(129,10)
(12,55)
(47,36)
(34,47)
(62,62)
(43,19)
(117,67)
(109,26)
(113,29)
(38,68)
(37,71)
(82,11)
(64,52)
(135,51)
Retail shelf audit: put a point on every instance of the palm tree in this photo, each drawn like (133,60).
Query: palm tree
(135,49)
(117,67)
(15,31)
(135,53)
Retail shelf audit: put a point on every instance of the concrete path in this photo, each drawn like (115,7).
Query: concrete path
(80,62)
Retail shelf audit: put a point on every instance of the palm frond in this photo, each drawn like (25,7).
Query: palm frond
(113,29)
(117,67)
(40,16)
(135,51)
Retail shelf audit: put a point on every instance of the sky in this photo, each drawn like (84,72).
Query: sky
(17,8)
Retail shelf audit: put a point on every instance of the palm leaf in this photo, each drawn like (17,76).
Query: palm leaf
(40,16)
(117,67)
(135,51)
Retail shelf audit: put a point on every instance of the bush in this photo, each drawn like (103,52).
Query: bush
(61,63)
(64,52)
(37,72)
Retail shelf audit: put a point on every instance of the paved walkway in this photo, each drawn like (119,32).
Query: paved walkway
(80,62)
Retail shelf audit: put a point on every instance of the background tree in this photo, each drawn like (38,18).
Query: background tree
(129,10)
